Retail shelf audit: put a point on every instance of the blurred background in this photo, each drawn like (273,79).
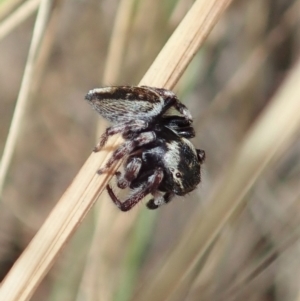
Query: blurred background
(228,84)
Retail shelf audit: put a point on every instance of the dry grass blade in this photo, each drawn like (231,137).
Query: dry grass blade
(273,131)
(23,97)
(21,14)
(37,259)
(118,40)
(192,31)
(7,7)
(97,282)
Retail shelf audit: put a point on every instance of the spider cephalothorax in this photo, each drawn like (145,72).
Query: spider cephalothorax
(160,160)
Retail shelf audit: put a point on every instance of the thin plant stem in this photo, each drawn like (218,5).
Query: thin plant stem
(24,93)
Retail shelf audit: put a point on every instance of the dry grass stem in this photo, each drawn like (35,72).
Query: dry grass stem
(117,42)
(36,260)
(39,29)
(268,137)
(97,275)
(7,7)
(193,29)
(96,282)
(16,18)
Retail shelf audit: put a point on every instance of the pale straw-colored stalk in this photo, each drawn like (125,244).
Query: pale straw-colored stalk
(24,93)
(17,17)
(39,256)
(7,7)
(97,280)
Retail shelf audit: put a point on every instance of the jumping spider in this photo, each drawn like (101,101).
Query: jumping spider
(160,161)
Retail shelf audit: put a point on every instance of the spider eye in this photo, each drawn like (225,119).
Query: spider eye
(178,175)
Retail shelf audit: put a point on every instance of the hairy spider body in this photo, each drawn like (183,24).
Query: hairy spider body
(160,160)
(174,156)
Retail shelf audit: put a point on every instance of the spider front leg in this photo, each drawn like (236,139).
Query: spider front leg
(159,199)
(127,147)
(132,169)
(124,128)
(171,100)
(180,125)
(183,110)
(149,187)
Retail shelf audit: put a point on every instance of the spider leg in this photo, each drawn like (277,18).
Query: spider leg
(132,169)
(124,128)
(175,121)
(127,147)
(180,125)
(171,100)
(187,132)
(150,186)
(180,107)
(159,200)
